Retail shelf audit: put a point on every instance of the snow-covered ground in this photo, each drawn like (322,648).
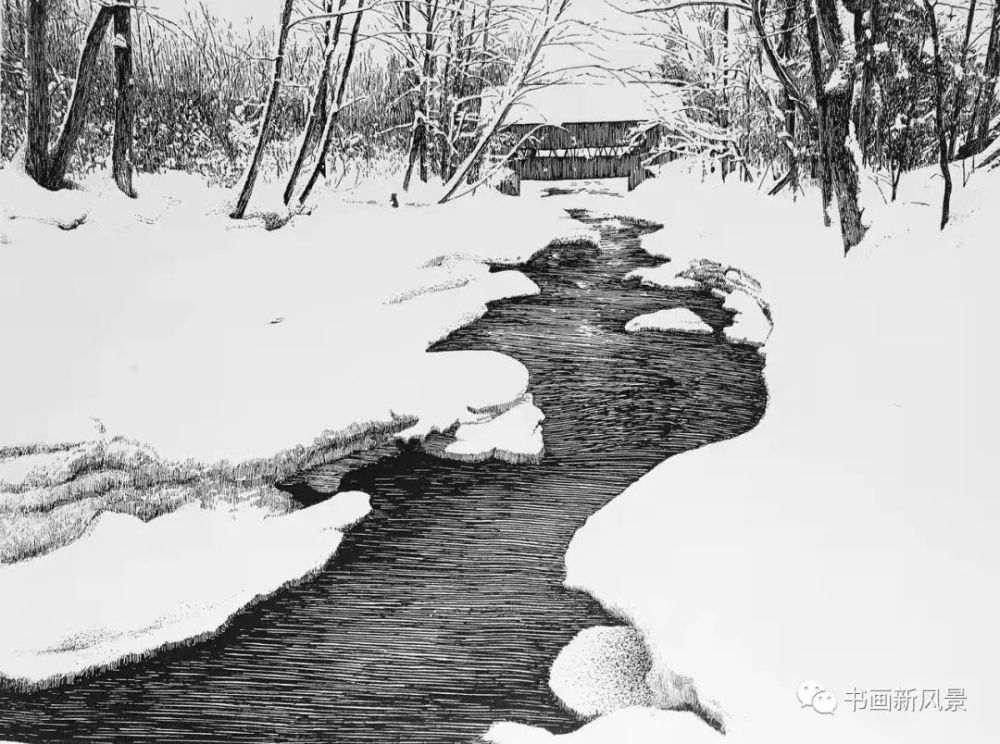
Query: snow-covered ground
(847,539)
(163,357)
(128,587)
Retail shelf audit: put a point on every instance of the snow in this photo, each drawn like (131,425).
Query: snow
(186,329)
(603,669)
(169,362)
(514,436)
(750,324)
(676,319)
(665,276)
(847,538)
(635,725)
(608,100)
(125,589)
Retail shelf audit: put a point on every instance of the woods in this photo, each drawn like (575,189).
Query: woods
(840,90)
(831,93)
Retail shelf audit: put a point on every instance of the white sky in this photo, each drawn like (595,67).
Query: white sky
(614,45)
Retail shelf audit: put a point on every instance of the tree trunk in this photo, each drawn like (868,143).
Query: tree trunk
(757,14)
(991,73)
(786,40)
(267,118)
(864,41)
(979,121)
(317,114)
(554,11)
(419,140)
(823,153)
(838,90)
(724,112)
(37,106)
(121,150)
(331,117)
(961,87)
(76,114)
(939,113)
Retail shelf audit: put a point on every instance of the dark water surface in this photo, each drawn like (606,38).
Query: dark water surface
(442,612)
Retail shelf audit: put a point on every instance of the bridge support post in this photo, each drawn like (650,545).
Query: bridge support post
(637,174)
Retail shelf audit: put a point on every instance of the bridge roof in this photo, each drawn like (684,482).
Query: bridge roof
(577,103)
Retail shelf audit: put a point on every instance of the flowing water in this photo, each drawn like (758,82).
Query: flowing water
(443,611)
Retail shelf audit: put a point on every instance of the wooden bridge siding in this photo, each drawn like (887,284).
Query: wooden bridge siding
(575,167)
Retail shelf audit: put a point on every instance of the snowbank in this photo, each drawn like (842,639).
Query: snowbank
(171,364)
(128,587)
(632,725)
(848,538)
(603,669)
(740,292)
(512,435)
(676,319)
(189,330)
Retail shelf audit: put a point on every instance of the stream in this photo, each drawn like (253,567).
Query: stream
(443,611)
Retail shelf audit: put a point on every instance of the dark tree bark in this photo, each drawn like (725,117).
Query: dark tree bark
(419,139)
(725,165)
(76,114)
(121,150)
(837,92)
(317,114)
(757,14)
(864,42)
(961,88)
(823,154)
(983,107)
(331,118)
(786,40)
(267,118)
(37,131)
(942,134)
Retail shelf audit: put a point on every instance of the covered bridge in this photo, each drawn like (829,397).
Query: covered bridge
(585,131)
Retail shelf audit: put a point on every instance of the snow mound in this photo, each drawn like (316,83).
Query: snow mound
(665,276)
(602,670)
(750,325)
(760,562)
(124,590)
(632,725)
(676,319)
(740,292)
(513,435)
(50,495)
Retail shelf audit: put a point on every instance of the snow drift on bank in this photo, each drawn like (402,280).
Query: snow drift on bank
(173,365)
(128,587)
(848,538)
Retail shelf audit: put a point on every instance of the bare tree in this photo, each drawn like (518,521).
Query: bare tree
(334,113)
(838,88)
(982,108)
(48,167)
(962,87)
(267,118)
(544,31)
(823,152)
(36,160)
(121,150)
(317,114)
(942,132)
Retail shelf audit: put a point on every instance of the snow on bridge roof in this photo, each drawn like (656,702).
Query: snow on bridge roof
(574,103)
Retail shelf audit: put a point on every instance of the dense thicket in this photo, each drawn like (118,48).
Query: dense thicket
(776,91)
